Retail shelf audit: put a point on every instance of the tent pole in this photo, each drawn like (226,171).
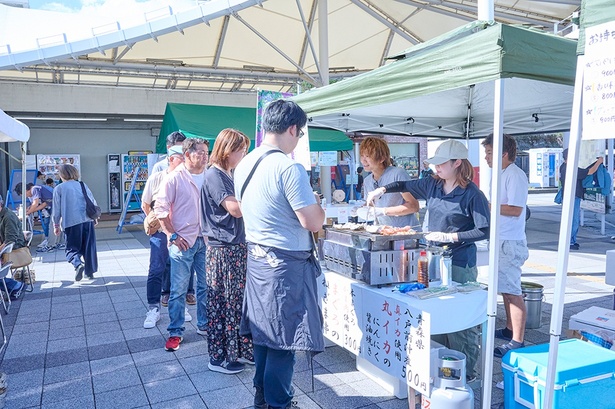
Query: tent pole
(559,291)
(494,241)
(323,43)
(24,149)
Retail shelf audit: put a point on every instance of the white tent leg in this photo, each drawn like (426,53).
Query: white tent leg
(564,235)
(494,242)
(24,150)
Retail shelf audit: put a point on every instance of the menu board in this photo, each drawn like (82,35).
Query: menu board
(340,301)
(49,164)
(396,339)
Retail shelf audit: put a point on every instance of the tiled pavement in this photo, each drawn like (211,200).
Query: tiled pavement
(82,345)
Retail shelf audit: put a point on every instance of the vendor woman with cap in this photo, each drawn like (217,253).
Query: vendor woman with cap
(458,216)
(392,209)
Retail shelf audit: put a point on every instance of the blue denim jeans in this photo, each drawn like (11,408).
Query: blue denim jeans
(576,220)
(182,265)
(274,374)
(158,267)
(45,224)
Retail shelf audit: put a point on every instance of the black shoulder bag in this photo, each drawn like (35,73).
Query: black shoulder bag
(91,209)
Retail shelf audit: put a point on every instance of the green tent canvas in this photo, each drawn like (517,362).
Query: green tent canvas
(206,121)
(445,87)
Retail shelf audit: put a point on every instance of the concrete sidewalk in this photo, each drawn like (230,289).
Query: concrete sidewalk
(82,345)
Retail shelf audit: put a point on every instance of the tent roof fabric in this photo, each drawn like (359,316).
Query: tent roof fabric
(594,12)
(12,130)
(206,121)
(438,74)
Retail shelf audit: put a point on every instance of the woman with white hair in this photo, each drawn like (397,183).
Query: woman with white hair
(69,214)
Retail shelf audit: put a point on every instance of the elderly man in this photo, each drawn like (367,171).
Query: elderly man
(280,212)
(178,210)
(173,139)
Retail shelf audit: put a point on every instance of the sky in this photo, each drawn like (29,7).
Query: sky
(73,6)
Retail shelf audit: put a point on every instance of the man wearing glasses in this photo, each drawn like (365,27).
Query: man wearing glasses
(280,212)
(177,209)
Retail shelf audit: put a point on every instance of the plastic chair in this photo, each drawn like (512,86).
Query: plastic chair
(5,269)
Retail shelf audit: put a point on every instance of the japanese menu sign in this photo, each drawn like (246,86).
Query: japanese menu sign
(396,339)
(341,303)
(599,82)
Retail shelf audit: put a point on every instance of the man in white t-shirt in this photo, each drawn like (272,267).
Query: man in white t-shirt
(513,244)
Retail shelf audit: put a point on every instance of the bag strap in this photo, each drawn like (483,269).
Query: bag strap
(245,184)
(85,194)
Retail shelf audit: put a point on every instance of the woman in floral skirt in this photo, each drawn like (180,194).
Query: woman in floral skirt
(226,256)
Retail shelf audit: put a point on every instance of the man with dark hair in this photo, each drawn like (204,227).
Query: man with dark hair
(178,211)
(174,138)
(41,199)
(513,244)
(578,194)
(280,212)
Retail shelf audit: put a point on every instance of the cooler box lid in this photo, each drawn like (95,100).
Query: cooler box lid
(596,316)
(576,360)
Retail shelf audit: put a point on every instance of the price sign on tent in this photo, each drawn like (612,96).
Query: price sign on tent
(599,82)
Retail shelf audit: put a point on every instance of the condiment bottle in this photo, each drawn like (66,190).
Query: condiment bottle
(446,271)
(423,264)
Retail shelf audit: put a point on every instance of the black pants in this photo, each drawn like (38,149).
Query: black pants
(81,243)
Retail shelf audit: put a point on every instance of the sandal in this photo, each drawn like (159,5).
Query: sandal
(499,333)
(500,351)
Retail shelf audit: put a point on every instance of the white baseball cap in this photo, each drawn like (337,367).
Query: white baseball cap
(448,150)
(175,150)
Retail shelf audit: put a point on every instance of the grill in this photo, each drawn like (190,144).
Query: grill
(372,258)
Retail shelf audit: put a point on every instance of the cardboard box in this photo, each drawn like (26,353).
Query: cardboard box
(597,321)
(585,376)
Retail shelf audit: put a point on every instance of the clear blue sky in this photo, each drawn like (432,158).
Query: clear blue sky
(56,4)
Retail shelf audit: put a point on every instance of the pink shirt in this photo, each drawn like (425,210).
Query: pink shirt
(178,199)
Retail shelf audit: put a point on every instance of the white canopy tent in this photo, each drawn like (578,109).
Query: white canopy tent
(11,130)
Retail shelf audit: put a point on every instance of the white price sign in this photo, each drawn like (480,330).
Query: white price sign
(599,82)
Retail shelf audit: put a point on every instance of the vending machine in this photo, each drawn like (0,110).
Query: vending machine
(49,164)
(544,166)
(114,182)
(130,163)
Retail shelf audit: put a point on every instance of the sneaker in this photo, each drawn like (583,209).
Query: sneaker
(50,249)
(164,300)
(201,331)
(90,276)
(225,367)
(190,299)
(151,318)
(575,246)
(43,244)
(79,272)
(61,246)
(43,249)
(470,379)
(173,343)
(245,361)
(187,316)
(259,399)
(16,293)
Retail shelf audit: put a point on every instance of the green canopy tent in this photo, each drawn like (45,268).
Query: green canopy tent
(206,121)
(482,78)
(444,87)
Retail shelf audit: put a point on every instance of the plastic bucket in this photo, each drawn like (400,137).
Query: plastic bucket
(532,294)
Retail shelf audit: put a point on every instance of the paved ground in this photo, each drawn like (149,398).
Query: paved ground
(83,345)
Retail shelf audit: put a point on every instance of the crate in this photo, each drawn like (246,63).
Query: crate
(585,376)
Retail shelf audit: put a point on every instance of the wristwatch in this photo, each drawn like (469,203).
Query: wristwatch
(173,237)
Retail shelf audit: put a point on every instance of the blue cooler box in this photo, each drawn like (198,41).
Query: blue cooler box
(585,376)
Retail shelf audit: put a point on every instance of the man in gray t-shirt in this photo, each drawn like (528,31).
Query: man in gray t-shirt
(280,310)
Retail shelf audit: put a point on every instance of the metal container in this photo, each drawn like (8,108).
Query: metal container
(372,258)
(434,254)
(532,294)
